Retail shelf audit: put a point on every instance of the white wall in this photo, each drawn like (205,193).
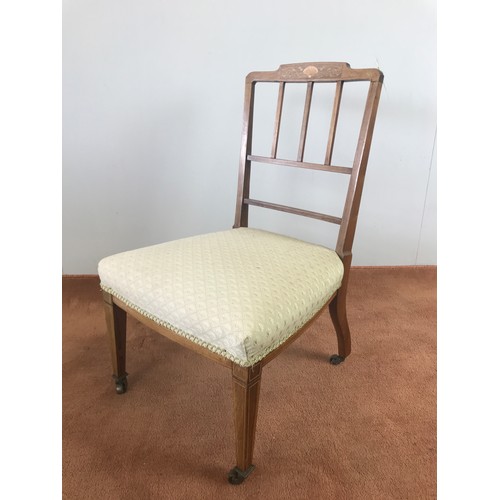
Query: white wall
(152,108)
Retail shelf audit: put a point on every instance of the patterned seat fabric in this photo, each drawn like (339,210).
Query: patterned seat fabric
(240,293)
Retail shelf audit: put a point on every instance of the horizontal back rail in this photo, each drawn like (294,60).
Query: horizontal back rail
(293,210)
(300,164)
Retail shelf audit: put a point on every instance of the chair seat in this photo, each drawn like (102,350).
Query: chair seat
(240,293)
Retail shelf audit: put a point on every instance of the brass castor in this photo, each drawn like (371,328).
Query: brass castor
(335,359)
(121,384)
(237,476)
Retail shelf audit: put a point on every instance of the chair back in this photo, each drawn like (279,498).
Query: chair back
(311,74)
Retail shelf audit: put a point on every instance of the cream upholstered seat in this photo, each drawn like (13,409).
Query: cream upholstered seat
(240,293)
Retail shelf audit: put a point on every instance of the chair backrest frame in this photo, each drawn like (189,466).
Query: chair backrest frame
(310,73)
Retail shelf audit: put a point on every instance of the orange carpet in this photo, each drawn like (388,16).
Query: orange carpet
(363,430)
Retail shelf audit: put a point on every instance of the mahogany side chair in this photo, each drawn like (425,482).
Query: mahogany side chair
(241,296)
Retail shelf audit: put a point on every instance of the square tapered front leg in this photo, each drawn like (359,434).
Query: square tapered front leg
(246,389)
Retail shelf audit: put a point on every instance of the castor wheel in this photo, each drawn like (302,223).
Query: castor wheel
(121,384)
(121,387)
(335,359)
(237,476)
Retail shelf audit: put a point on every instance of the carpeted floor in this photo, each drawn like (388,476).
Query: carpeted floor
(363,430)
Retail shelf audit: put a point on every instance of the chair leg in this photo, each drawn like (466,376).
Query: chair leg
(338,314)
(246,388)
(116,320)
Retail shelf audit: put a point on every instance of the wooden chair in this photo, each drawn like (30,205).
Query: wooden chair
(241,296)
